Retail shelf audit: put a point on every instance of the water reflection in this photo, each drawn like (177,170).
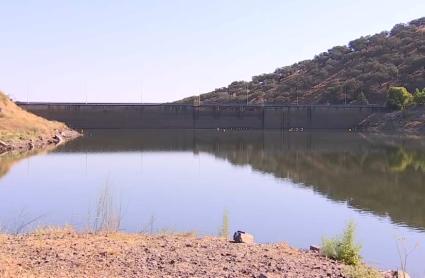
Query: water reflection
(293,187)
(380,174)
(8,159)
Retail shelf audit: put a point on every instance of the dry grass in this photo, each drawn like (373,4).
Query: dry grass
(362,271)
(17,124)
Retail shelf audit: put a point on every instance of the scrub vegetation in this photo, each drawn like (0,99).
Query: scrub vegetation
(343,248)
(358,73)
(399,98)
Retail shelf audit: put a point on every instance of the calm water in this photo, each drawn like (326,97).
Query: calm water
(293,187)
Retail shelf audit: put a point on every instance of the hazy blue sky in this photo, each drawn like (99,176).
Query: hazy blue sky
(166,50)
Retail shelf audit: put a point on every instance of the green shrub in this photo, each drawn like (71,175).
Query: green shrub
(398,98)
(343,248)
(419,96)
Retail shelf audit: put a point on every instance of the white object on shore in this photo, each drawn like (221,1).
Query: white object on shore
(402,274)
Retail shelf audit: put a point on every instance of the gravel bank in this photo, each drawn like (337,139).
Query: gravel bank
(65,253)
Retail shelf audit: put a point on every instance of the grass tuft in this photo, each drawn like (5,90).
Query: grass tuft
(343,247)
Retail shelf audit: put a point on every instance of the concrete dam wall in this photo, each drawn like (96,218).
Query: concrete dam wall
(173,116)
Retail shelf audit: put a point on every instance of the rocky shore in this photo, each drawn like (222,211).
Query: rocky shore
(39,142)
(66,253)
(409,121)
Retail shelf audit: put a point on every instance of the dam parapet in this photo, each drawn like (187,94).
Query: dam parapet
(182,116)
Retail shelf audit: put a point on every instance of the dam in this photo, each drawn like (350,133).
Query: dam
(207,116)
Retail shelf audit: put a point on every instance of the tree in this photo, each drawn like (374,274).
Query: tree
(361,98)
(419,96)
(398,98)
(370,64)
(359,44)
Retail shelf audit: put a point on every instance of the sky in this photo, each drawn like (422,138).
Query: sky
(160,51)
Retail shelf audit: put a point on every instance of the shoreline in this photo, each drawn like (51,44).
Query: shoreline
(67,253)
(40,142)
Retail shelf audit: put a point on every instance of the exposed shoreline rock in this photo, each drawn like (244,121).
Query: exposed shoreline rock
(41,142)
(410,121)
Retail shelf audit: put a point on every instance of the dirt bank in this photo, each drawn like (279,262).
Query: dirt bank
(408,121)
(65,253)
(20,130)
(42,141)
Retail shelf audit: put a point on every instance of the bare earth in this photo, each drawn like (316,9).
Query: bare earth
(65,253)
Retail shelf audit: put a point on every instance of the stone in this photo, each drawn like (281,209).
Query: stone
(243,237)
(58,139)
(314,248)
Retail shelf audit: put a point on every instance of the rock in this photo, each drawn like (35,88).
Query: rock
(243,237)
(58,139)
(402,274)
(314,248)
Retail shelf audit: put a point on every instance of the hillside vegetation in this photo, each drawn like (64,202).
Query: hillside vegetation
(16,123)
(359,73)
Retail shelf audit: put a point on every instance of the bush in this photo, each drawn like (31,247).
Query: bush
(398,98)
(419,96)
(343,248)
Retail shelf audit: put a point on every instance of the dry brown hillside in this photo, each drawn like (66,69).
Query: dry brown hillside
(16,122)
(21,129)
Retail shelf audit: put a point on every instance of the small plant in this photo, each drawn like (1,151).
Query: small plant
(108,217)
(149,226)
(224,229)
(419,96)
(404,252)
(343,248)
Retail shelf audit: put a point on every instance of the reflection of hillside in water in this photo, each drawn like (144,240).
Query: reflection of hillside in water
(7,160)
(383,175)
(385,179)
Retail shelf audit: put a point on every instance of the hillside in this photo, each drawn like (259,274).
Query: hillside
(20,129)
(360,72)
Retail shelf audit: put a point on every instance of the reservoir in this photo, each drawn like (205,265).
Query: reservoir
(294,187)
